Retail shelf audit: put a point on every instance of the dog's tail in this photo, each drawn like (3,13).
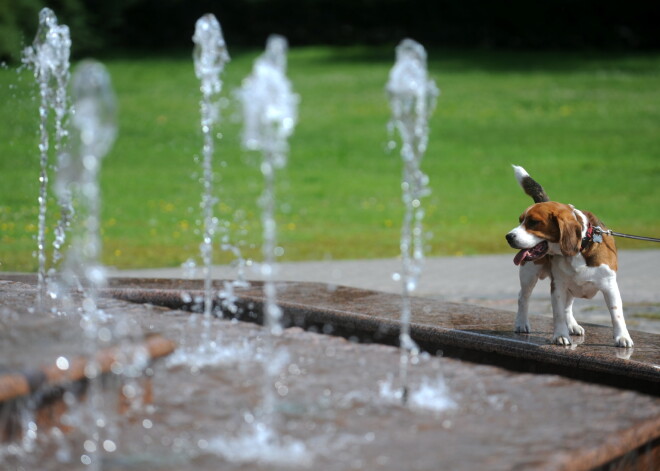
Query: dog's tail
(531,186)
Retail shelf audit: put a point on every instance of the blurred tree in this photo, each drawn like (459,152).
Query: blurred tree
(15,23)
(556,24)
(98,26)
(94,25)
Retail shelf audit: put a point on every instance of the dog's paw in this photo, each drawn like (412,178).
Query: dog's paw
(522,328)
(562,340)
(623,341)
(576,329)
(521,325)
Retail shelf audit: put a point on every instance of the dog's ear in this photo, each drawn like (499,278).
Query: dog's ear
(570,234)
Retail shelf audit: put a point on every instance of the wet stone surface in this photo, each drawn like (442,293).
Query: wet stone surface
(458,330)
(334,404)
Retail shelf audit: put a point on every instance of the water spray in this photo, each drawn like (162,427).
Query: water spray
(412,97)
(49,58)
(210,56)
(270,114)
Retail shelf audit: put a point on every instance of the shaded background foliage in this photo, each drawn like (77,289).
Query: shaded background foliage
(156,25)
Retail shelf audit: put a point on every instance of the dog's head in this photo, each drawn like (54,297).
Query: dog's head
(546,228)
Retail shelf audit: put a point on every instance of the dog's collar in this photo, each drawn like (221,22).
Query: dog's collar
(593,234)
(589,233)
(588,237)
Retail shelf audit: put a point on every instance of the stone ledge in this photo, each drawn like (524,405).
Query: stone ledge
(462,331)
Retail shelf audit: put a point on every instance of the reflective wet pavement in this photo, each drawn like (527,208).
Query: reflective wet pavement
(330,396)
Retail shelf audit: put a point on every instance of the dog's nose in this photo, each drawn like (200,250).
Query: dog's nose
(510,238)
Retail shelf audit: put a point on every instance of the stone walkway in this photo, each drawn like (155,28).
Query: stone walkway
(485,280)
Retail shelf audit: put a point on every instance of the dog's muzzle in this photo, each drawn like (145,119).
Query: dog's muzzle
(511,239)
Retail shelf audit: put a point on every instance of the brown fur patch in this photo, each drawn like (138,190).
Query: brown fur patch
(600,254)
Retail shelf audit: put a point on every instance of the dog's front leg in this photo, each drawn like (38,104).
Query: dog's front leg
(560,304)
(529,275)
(615,305)
(573,327)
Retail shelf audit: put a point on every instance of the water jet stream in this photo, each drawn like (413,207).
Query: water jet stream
(270,114)
(210,56)
(95,129)
(49,57)
(412,98)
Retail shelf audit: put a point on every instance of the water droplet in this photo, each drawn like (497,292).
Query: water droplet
(266,270)
(109,446)
(89,446)
(62,363)
(91,371)
(104,334)
(129,391)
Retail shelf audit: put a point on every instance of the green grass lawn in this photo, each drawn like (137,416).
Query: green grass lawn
(585,125)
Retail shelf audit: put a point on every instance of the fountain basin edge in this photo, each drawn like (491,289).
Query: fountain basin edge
(44,386)
(466,332)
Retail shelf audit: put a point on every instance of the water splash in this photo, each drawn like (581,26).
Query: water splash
(412,97)
(94,131)
(208,355)
(430,395)
(262,446)
(49,58)
(210,56)
(61,109)
(270,114)
(239,261)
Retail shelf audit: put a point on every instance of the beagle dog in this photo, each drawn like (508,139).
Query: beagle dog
(567,244)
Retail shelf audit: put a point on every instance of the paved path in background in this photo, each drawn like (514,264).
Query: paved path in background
(485,280)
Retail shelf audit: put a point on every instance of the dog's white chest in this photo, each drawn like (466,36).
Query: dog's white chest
(579,279)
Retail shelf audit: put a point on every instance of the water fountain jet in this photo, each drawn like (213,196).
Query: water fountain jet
(210,56)
(95,127)
(270,115)
(412,99)
(49,57)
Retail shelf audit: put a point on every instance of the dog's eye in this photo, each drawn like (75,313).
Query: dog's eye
(532,223)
